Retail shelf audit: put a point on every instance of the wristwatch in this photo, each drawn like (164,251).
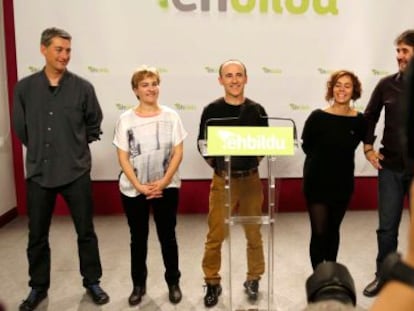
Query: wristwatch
(393,268)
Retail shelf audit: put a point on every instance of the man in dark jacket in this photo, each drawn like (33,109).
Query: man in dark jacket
(56,115)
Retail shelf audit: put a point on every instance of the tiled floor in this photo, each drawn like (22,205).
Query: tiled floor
(291,264)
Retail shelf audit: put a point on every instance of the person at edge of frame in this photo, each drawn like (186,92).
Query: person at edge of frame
(56,115)
(395,170)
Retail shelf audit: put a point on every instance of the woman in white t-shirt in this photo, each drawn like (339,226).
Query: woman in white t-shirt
(149,140)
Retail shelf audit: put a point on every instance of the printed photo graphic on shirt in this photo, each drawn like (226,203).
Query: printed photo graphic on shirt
(150,149)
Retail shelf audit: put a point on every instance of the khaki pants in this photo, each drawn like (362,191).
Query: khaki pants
(247,194)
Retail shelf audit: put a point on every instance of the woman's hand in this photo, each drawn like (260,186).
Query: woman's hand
(149,191)
(156,188)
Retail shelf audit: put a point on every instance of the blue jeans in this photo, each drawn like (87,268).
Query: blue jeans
(392,188)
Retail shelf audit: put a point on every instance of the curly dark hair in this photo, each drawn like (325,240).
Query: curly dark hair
(357,87)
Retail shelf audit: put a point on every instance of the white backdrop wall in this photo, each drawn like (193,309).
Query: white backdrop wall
(289,47)
(7,187)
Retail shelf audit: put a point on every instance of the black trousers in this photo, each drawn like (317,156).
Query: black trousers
(137,210)
(325,219)
(40,206)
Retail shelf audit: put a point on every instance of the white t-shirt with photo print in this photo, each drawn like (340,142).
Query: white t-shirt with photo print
(149,142)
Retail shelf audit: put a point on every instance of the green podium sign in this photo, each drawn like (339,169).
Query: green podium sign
(249,141)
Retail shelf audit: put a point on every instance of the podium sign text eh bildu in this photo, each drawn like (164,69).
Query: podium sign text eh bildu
(249,141)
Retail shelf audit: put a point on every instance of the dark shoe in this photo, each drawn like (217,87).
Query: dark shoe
(374,287)
(97,294)
(33,300)
(174,293)
(136,295)
(252,289)
(211,297)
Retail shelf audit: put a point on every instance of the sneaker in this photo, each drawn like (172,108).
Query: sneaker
(211,297)
(252,289)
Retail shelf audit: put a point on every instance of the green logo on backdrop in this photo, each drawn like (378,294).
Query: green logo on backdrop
(321,7)
(272,70)
(34,69)
(377,72)
(162,70)
(252,140)
(94,69)
(184,107)
(325,71)
(299,107)
(210,69)
(123,107)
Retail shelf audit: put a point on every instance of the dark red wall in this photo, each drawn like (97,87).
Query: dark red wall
(194,196)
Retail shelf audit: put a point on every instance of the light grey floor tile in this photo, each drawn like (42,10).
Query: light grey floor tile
(291,265)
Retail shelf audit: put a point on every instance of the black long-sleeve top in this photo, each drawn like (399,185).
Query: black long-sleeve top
(56,124)
(329,142)
(388,95)
(248,113)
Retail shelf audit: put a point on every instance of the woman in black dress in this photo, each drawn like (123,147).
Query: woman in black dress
(329,139)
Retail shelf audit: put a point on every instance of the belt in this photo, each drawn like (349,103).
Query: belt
(238,174)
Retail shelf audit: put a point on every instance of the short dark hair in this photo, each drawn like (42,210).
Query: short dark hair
(407,37)
(53,32)
(236,61)
(356,84)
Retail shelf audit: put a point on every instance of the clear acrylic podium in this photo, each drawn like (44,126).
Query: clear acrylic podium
(265,220)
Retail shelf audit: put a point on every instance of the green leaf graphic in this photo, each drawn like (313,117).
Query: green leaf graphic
(163,4)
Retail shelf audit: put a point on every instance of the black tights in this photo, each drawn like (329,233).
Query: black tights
(325,222)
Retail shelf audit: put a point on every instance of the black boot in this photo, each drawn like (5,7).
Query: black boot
(174,293)
(33,300)
(211,297)
(136,295)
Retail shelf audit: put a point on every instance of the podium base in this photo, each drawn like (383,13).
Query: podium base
(265,220)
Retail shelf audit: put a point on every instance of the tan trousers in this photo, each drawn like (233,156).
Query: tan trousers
(247,195)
